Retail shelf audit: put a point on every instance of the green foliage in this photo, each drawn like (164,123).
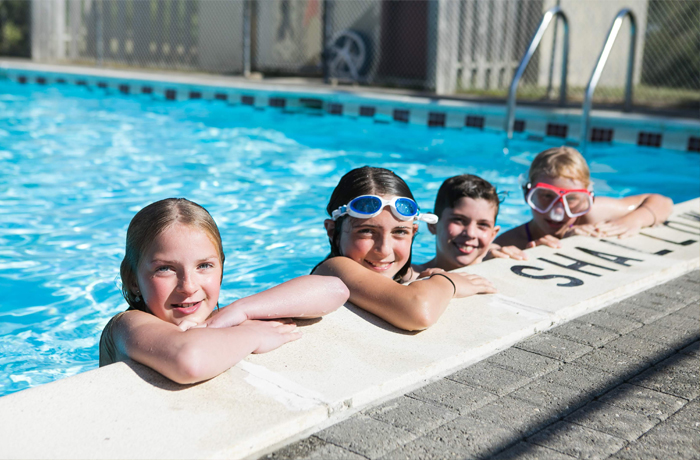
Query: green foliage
(14,28)
(672,44)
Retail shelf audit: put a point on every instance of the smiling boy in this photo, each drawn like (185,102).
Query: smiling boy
(467,206)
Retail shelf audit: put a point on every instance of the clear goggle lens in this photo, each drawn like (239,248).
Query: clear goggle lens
(576,202)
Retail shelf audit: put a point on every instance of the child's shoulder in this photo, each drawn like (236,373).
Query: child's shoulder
(108,347)
(333,264)
(117,329)
(517,236)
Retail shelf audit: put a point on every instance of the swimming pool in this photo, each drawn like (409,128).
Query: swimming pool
(79,161)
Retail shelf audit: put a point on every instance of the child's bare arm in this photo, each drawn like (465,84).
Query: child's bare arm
(308,296)
(196,354)
(626,216)
(412,307)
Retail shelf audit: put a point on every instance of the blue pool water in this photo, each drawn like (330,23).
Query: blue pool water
(77,163)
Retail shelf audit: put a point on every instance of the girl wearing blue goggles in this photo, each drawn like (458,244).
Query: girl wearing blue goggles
(371,251)
(368,206)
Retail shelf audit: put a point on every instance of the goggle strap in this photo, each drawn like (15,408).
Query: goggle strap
(428,218)
(341,211)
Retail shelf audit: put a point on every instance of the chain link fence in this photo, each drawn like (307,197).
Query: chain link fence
(467,48)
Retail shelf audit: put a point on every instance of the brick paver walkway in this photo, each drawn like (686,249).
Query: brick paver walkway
(620,383)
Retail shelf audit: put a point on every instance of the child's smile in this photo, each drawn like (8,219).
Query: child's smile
(179,276)
(381,243)
(464,232)
(187,308)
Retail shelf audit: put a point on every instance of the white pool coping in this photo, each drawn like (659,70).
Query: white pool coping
(345,362)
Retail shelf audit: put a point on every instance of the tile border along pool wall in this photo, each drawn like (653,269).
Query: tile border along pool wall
(553,124)
(346,362)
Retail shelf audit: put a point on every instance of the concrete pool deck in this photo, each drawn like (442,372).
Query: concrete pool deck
(346,362)
(621,383)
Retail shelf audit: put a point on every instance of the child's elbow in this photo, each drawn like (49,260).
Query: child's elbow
(421,317)
(189,366)
(668,204)
(339,291)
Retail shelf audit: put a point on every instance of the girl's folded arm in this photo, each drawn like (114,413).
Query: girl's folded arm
(411,307)
(196,354)
(308,296)
(636,211)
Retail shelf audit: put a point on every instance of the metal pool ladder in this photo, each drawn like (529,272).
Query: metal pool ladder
(600,64)
(534,43)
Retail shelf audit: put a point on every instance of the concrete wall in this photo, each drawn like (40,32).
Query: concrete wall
(589,23)
(48,27)
(493,42)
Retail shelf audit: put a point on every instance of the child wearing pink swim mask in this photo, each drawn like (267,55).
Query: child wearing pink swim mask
(560,193)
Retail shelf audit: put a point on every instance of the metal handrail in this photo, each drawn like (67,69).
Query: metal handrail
(534,43)
(246,37)
(598,70)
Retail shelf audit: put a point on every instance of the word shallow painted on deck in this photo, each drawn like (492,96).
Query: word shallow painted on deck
(581,267)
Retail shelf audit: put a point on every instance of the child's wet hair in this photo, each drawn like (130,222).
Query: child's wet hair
(150,222)
(469,186)
(366,180)
(561,161)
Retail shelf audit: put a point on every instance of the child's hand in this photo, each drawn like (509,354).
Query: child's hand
(547,240)
(430,271)
(272,334)
(505,252)
(187,324)
(603,230)
(619,228)
(467,284)
(228,316)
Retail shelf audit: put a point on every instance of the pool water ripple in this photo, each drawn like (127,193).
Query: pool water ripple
(78,163)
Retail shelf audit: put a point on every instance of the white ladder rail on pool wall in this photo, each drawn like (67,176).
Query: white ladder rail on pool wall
(600,65)
(550,14)
(347,361)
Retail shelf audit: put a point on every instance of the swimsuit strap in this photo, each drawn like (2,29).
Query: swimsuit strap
(527,230)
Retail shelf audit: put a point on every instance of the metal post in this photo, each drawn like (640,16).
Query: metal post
(550,77)
(565,63)
(99,39)
(246,38)
(326,38)
(630,63)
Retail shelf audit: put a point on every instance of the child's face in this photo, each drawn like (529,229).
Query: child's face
(464,233)
(179,276)
(381,244)
(544,222)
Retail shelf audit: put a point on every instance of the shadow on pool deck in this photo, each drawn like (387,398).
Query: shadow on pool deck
(595,406)
(616,391)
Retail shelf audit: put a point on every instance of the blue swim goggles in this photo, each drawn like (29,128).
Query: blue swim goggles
(367,206)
